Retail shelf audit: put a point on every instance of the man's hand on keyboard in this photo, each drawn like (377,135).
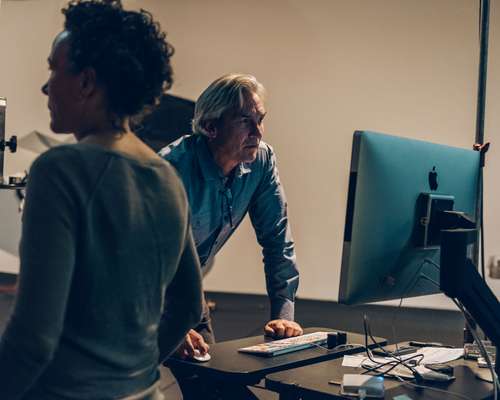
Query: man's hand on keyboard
(192,341)
(282,328)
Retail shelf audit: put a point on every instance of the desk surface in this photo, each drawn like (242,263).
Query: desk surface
(311,383)
(228,363)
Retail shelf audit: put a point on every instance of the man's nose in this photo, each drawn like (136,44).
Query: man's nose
(258,130)
(45,89)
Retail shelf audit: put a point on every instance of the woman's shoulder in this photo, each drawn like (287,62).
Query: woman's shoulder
(54,153)
(71,163)
(55,157)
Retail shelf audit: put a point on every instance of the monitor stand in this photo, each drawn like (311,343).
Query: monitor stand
(459,279)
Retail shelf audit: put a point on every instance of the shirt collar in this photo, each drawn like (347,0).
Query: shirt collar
(209,169)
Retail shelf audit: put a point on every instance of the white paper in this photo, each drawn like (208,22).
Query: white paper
(353,361)
(438,355)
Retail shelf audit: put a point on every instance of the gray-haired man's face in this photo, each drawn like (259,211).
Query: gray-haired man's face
(238,134)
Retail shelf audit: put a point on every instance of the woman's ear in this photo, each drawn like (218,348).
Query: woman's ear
(88,82)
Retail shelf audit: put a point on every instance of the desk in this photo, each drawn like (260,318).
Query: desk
(311,383)
(230,366)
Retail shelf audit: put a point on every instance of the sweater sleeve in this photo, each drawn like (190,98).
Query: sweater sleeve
(183,300)
(47,253)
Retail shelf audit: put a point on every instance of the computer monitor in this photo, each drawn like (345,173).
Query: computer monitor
(393,181)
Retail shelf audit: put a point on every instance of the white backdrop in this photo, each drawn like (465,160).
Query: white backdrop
(330,66)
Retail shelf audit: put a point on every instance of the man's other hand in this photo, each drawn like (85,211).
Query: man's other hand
(192,341)
(282,328)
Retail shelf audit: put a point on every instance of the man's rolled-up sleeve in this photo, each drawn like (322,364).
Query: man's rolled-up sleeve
(268,213)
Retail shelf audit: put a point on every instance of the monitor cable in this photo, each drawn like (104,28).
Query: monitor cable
(413,282)
(398,360)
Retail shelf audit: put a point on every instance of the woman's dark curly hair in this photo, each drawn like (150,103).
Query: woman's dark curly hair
(127,50)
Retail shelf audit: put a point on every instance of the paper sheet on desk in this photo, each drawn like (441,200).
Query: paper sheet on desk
(438,355)
(432,355)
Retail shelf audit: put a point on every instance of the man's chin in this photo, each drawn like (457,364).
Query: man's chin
(251,155)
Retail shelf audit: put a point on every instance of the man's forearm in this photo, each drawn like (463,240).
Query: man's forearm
(282,309)
(282,281)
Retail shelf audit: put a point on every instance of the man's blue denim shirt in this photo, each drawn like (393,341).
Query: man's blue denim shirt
(218,205)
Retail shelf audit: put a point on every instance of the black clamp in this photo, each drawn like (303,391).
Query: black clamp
(11,144)
(483,149)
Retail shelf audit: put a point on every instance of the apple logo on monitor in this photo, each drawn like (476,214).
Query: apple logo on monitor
(433,179)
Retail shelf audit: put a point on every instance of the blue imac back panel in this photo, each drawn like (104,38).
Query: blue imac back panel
(381,259)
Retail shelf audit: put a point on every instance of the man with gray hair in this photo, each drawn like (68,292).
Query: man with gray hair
(227,171)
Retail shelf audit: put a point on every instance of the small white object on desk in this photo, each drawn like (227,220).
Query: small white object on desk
(199,358)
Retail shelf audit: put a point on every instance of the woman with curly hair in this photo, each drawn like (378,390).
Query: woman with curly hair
(106,244)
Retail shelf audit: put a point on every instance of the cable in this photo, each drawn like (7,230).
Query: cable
(368,352)
(348,346)
(413,281)
(397,356)
(397,361)
(482,349)
(432,262)
(370,355)
(367,331)
(430,280)
(394,363)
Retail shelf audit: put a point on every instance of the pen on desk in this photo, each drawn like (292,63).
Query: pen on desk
(428,344)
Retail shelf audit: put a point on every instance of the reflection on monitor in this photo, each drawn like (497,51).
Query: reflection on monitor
(392,179)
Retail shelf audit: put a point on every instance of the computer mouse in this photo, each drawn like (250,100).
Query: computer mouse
(199,358)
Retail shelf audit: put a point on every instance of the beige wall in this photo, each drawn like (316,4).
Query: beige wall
(405,67)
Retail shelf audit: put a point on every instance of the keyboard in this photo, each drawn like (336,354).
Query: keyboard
(288,345)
